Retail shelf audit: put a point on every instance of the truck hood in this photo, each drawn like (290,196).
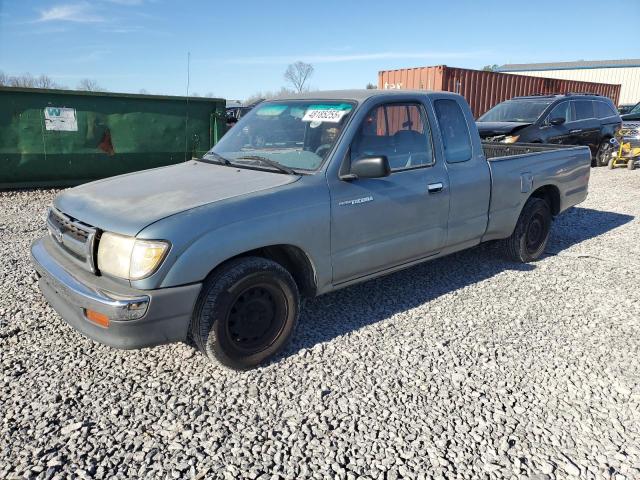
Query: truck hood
(128,203)
(489,129)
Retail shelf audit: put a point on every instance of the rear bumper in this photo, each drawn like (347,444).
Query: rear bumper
(136,318)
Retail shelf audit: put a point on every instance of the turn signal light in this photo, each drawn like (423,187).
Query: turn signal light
(98,318)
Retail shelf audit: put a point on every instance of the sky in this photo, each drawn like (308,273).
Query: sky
(238,48)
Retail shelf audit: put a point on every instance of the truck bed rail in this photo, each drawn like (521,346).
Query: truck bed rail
(497,149)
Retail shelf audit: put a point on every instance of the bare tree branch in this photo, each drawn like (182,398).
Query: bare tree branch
(28,81)
(297,74)
(267,95)
(89,85)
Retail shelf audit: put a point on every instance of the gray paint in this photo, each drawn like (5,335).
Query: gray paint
(127,203)
(211,213)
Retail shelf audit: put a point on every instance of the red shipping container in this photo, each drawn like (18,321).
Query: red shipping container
(484,89)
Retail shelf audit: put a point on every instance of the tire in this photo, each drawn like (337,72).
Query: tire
(631,164)
(603,154)
(529,238)
(611,164)
(246,312)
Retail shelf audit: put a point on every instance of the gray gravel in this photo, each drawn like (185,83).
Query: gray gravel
(467,367)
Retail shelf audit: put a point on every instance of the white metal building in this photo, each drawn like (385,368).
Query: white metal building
(623,72)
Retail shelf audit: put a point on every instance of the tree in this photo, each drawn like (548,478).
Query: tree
(297,75)
(89,85)
(371,86)
(22,81)
(256,97)
(28,81)
(491,68)
(143,92)
(45,82)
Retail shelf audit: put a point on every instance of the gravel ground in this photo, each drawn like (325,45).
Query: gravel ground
(467,367)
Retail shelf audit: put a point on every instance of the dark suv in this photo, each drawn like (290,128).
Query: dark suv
(570,119)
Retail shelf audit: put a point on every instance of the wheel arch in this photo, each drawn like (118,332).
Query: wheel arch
(551,194)
(295,260)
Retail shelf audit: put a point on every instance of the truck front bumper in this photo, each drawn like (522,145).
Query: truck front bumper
(137,318)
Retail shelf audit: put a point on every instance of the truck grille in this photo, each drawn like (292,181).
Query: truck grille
(74,237)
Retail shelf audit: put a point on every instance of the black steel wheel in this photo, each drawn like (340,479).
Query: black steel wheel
(530,237)
(247,311)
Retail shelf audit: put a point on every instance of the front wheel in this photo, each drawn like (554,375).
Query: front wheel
(631,165)
(246,312)
(530,237)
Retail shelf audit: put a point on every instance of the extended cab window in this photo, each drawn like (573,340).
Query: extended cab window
(583,109)
(398,131)
(455,132)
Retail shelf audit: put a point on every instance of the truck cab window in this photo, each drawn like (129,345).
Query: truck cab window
(398,131)
(455,132)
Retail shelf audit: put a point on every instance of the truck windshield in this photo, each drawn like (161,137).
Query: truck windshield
(516,111)
(297,134)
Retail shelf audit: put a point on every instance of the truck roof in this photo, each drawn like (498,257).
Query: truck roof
(356,95)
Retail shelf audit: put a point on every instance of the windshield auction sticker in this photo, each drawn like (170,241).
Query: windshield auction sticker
(60,119)
(326,113)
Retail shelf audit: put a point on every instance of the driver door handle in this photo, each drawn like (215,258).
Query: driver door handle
(435,187)
(577,130)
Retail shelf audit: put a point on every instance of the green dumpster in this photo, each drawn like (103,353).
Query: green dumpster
(57,138)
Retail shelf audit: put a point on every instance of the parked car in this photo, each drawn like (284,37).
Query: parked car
(304,196)
(633,114)
(626,108)
(235,113)
(568,119)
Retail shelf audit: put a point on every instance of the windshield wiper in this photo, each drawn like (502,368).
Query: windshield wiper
(220,158)
(271,163)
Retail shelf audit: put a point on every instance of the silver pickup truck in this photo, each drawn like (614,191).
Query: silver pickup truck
(304,195)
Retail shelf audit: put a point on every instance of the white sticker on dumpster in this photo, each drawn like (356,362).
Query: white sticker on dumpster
(60,119)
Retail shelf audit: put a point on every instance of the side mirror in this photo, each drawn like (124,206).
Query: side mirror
(371,167)
(557,121)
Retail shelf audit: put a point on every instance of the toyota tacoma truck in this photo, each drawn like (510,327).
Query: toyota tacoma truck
(305,195)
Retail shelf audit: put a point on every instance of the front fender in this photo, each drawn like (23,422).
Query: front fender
(203,239)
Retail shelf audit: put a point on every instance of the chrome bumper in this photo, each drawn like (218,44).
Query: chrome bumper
(116,307)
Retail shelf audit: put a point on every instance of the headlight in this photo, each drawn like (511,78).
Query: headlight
(129,257)
(511,139)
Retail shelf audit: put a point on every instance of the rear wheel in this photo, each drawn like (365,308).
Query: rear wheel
(246,312)
(631,165)
(612,163)
(530,237)
(603,154)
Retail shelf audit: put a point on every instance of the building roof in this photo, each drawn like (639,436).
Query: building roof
(582,64)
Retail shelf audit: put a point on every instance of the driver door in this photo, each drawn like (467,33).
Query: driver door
(379,223)
(559,134)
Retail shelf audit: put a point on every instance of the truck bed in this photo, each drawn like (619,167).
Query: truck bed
(518,170)
(497,149)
